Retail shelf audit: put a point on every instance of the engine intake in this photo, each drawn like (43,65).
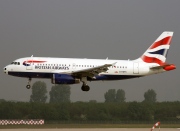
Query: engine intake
(64,79)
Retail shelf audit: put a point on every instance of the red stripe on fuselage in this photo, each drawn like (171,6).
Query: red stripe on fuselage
(164,41)
(35,61)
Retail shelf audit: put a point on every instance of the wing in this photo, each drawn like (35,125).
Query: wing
(89,72)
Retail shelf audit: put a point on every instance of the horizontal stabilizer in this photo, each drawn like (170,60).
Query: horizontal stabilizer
(166,67)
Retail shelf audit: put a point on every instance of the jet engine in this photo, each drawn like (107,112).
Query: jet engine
(64,79)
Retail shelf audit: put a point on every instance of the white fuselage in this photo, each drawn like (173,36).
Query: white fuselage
(44,67)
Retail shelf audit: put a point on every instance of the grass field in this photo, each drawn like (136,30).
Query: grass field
(87,126)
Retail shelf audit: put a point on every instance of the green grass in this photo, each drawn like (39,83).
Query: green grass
(87,126)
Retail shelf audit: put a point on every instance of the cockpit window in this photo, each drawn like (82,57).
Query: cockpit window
(15,63)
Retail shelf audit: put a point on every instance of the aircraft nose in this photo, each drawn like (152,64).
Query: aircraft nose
(5,70)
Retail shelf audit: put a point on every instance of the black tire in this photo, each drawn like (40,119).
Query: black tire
(82,88)
(28,86)
(85,88)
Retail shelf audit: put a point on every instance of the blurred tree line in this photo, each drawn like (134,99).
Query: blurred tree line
(60,108)
(91,111)
(61,93)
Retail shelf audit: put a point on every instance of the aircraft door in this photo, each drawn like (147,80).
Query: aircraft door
(29,64)
(136,68)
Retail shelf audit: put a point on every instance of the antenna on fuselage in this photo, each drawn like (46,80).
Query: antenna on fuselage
(32,56)
(107,58)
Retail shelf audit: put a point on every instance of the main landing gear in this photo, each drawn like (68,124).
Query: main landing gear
(29,84)
(84,87)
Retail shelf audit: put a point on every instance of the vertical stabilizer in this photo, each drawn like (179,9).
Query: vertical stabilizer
(157,52)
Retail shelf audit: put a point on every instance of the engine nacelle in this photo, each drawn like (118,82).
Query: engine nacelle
(64,79)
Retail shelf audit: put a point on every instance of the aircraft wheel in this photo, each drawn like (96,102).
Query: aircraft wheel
(85,88)
(28,86)
(82,88)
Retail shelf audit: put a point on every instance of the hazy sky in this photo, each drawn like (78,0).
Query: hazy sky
(117,29)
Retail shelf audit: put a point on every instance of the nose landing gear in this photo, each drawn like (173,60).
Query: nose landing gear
(28,86)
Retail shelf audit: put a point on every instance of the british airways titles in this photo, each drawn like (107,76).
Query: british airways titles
(52,67)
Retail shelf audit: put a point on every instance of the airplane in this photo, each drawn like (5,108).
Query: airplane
(76,70)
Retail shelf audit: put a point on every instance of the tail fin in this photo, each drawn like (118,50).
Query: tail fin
(157,52)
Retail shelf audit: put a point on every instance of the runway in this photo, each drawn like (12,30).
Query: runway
(94,129)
